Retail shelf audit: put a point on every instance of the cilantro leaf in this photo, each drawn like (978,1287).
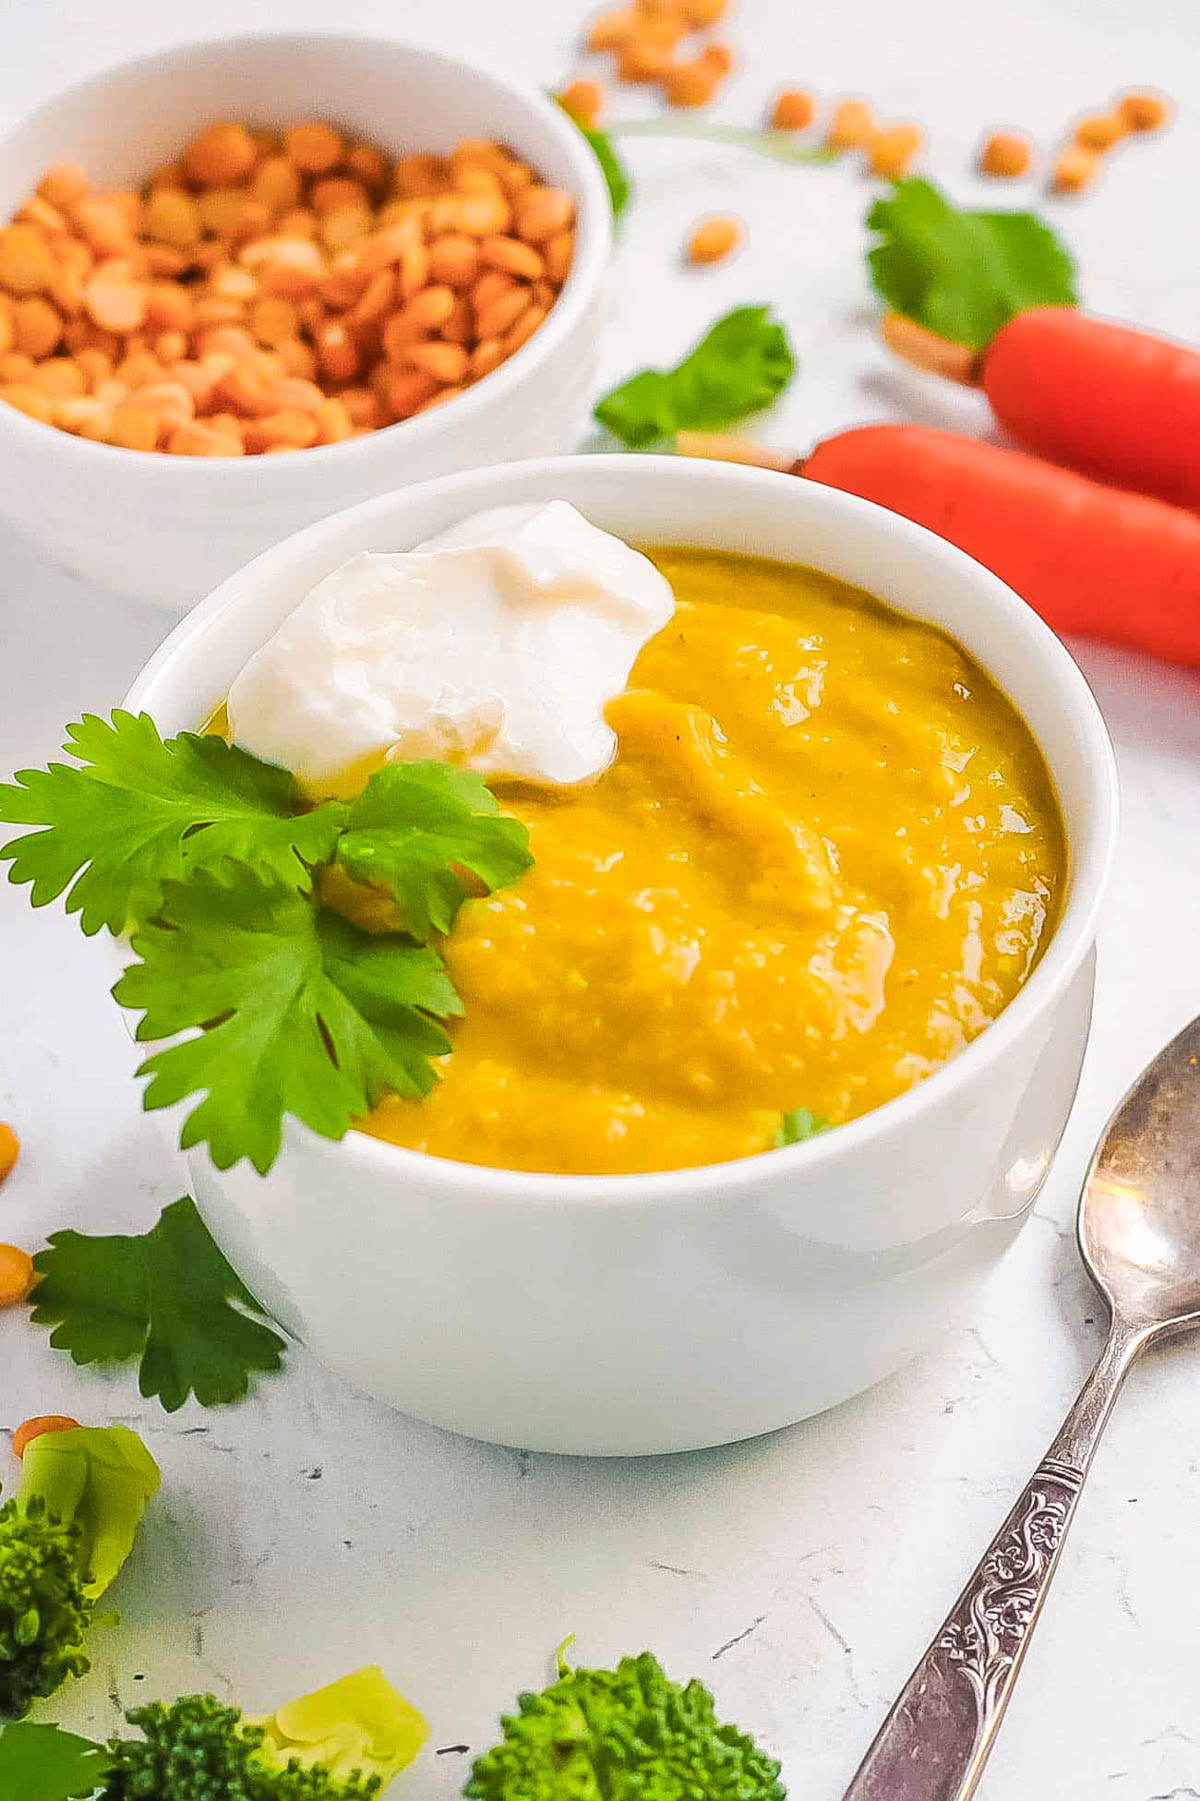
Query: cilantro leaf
(96,1293)
(616,176)
(963,274)
(216,863)
(303,1012)
(415,826)
(142,811)
(739,366)
(44,1763)
(168,1298)
(796,1125)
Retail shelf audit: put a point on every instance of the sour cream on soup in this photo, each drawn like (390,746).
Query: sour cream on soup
(495,645)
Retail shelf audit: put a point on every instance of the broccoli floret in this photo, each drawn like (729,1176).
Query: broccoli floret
(63,1537)
(194,1749)
(343,1743)
(628,1734)
(44,1612)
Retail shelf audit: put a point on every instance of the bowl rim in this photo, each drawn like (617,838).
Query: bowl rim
(1070,943)
(593,249)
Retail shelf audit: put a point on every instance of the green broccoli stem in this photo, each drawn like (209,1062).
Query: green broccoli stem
(100,1478)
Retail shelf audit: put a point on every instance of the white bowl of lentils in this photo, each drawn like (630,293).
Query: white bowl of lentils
(379,261)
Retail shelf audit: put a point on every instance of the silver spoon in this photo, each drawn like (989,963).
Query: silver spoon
(1139,1236)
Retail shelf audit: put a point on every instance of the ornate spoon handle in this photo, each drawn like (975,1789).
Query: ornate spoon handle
(937,1738)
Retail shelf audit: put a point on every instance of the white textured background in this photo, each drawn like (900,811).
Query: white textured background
(801,1574)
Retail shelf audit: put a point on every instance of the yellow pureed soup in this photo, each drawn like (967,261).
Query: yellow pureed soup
(826,855)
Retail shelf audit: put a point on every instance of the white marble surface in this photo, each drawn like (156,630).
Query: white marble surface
(800,1575)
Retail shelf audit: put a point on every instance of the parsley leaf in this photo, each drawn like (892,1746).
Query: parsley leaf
(44,1763)
(414,826)
(616,176)
(303,1012)
(796,1125)
(739,366)
(143,811)
(963,274)
(168,1298)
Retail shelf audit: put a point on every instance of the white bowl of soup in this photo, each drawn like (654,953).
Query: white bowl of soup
(844,871)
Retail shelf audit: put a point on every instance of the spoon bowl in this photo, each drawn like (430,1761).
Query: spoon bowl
(1139,1220)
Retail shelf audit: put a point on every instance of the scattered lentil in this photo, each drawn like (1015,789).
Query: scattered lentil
(713,239)
(1005,153)
(1074,168)
(792,110)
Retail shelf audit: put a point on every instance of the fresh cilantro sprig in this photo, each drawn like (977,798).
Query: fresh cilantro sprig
(777,146)
(741,364)
(44,1763)
(216,864)
(140,812)
(167,1298)
(963,274)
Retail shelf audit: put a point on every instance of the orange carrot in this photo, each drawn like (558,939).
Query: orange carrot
(1090,559)
(1119,404)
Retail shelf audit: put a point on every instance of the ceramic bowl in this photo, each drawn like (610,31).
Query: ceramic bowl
(169,528)
(650,1313)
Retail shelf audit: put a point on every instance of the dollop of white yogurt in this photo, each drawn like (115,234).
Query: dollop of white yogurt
(495,645)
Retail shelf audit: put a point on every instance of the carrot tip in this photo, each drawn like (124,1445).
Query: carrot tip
(36,1427)
(923,349)
(723,447)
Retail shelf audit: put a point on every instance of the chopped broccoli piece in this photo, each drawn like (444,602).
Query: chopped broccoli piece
(195,1749)
(44,1612)
(628,1734)
(358,1725)
(343,1743)
(797,1125)
(63,1538)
